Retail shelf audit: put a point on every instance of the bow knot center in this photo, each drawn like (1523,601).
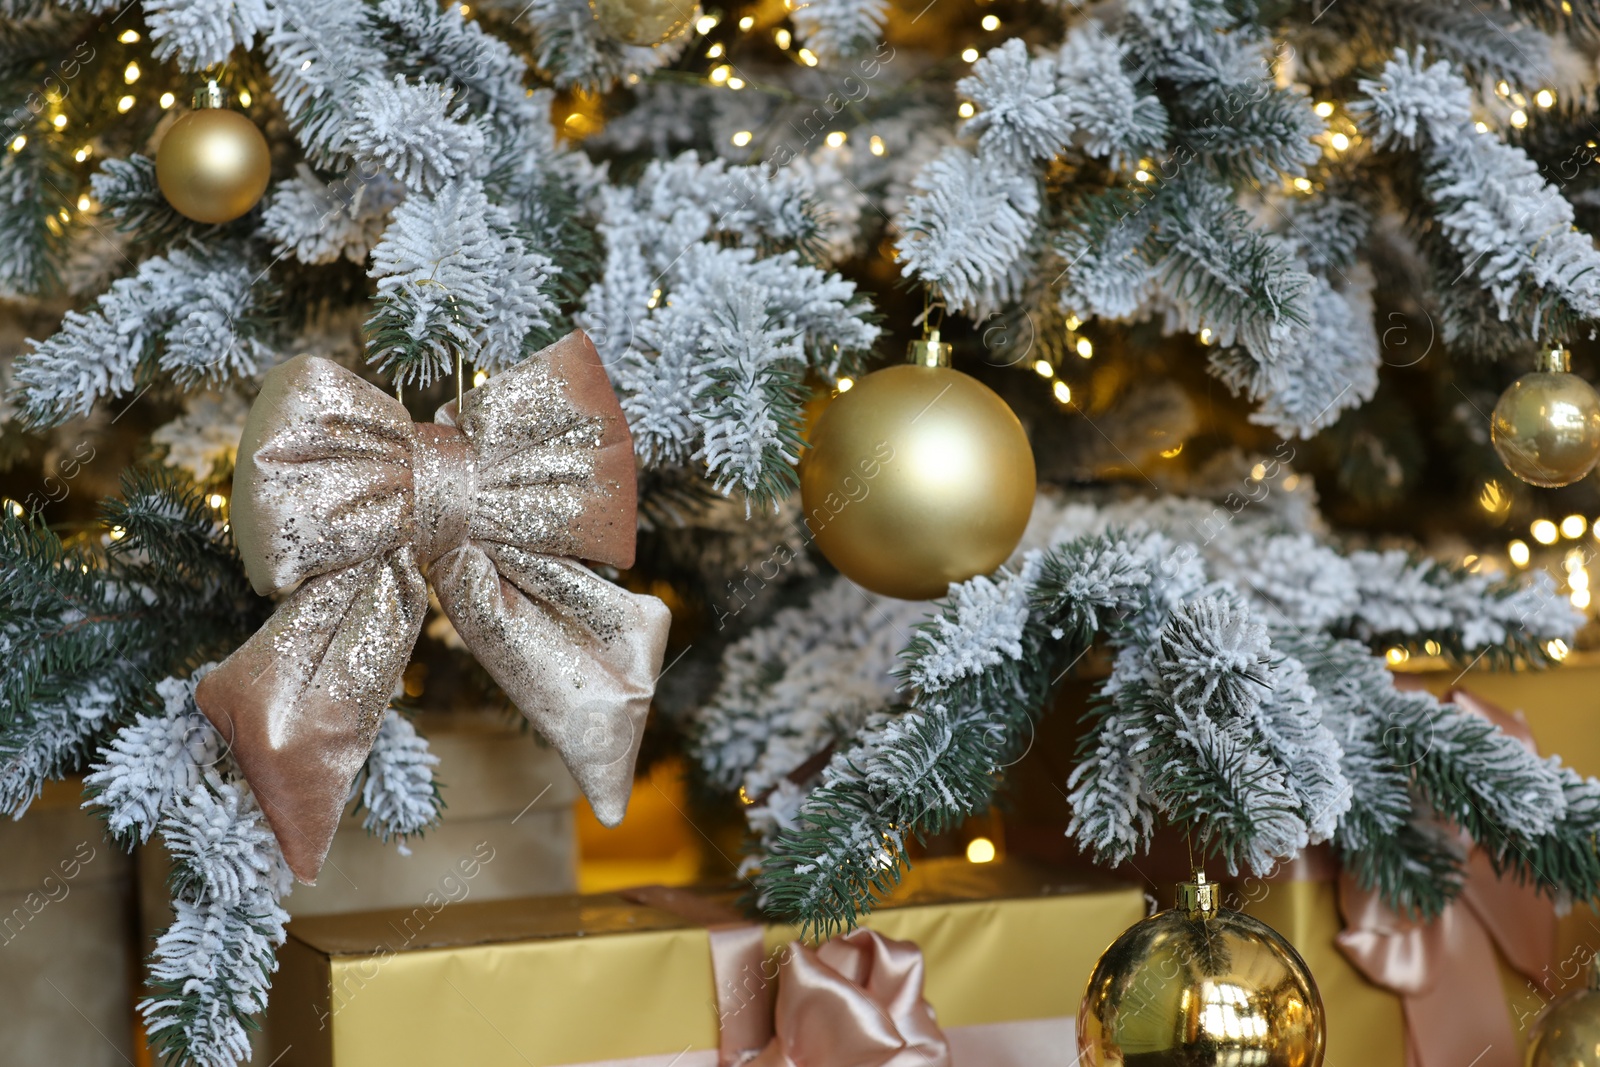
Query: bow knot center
(445,483)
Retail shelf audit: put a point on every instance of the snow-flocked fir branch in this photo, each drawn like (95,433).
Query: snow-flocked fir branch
(203,33)
(577,54)
(1221,715)
(1513,229)
(192,313)
(835,30)
(84,630)
(707,343)
(454,278)
(395,790)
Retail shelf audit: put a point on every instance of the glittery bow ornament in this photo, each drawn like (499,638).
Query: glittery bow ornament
(341,498)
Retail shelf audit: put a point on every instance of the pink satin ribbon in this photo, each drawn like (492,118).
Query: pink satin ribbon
(854,1001)
(1446,971)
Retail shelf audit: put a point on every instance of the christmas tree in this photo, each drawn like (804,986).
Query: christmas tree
(1250,274)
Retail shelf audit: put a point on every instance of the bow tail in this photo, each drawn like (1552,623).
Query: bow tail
(576,653)
(300,703)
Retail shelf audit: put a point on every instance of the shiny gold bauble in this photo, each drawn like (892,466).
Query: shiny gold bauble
(1194,988)
(1567,1033)
(644,22)
(1546,427)
(917,477)
(213,165)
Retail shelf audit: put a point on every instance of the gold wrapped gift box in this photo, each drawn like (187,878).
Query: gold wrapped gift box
(554,981)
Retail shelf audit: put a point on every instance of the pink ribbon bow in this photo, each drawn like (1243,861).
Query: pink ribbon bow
(854,1001)
(344,504)
(1446,971)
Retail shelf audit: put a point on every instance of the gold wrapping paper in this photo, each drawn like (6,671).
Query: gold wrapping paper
(553,981)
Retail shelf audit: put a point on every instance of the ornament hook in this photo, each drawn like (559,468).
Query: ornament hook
(210,95)
(1555,358)
(1197,898)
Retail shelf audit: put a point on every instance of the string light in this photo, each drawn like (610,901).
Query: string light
(1205,335)
(991,22)
(1141,175)
(216,500)
(466,11)
(1174,452)
(1518,551)
(1579,598)
(1303,184)
(969,55)
(244,98)
(714,51)
(736,83)
(1339,142)
(1431,647)
(18,142)
(980,850)
(966,110)
(1396,656)
(129,37)
(781,38)
(1481,127)
(720,74)
(836,139)
(807,57)
(1557,648)
(130,73)
(1063,391)
(741,138)
(1578,579)
(746,23)
(655,298)
(15,508)
(64,215)
(167,100)
(1502,88)
(1085,348)
(876,146)
(1258,473)
(82,154)
(479,377)
(1043,368)
(1493,498)
(1572,526)
(1323,109)
(1544,98)
(706,23)
(844,385)
(1519,118)
(125,105)
(118,533)
(60,122)
(1073,322)
(1543,531)
(84,203)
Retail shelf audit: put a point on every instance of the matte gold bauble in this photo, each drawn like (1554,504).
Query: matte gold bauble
(213,164)
(1567,1033)
(917,477)
(1546,427)
(644,22)
(1199,986)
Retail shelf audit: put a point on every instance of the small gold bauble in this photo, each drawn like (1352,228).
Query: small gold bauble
(213,165)
(1546,426)
(644,22)
(1567,1033)
(917,477)
(1199,986)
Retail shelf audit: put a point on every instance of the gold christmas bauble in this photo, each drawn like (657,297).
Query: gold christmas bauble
(644,22)
(1567,1033)
(917,477)
(1200,986)
(1546,426)
(213,165)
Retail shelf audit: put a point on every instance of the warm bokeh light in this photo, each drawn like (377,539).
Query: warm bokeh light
(1543,531)
(1063,392)
(1396,656)
(1323,109)
(836,139)
(167,100)
(1557,649)
(1043,368)
(125,105)
(1518,551)
(741,138)
(980,850)
(844,385)
(1573,526)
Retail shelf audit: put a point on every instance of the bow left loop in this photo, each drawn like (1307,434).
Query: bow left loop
(344,503)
